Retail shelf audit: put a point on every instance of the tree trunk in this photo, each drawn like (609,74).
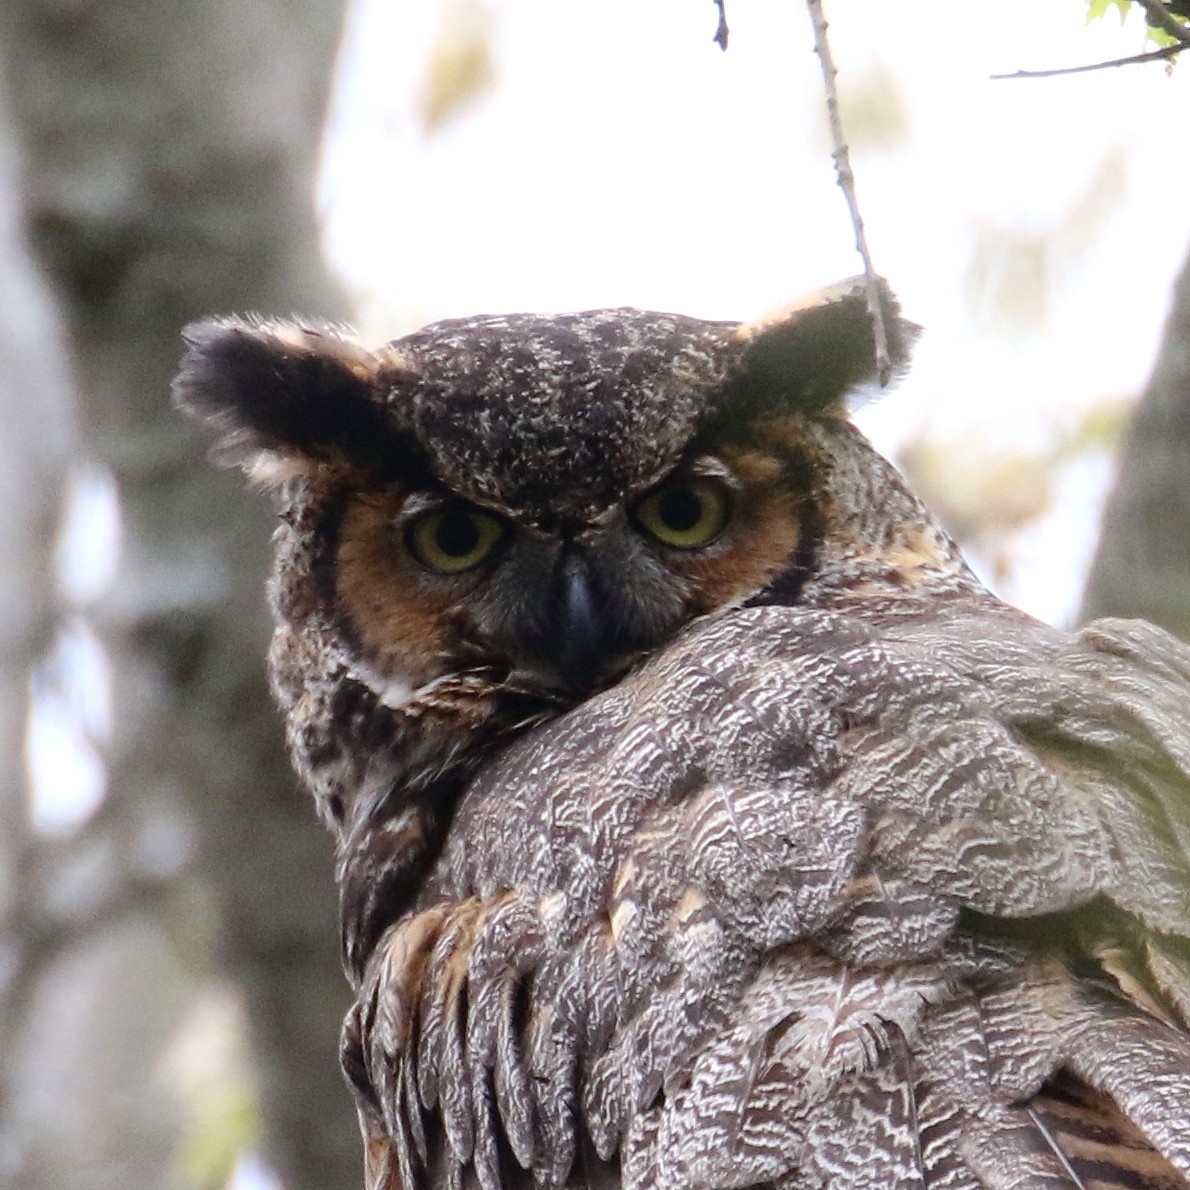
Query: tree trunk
(37,415)
(1142,564)
(170,151)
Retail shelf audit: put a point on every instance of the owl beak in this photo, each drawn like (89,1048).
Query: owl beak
(581,630)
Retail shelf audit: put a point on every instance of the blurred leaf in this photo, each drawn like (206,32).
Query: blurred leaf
(1015,273)
(1156,35)
(1087,216)
(461,69)
(995,489)
(1008,282)
(873,108)
(1100,427)
(209,1065)
(227,1124)
(986,489)
(1098,8)
(981,490)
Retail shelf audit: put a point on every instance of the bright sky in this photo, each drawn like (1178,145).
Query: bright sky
(1032,226)
(622,159)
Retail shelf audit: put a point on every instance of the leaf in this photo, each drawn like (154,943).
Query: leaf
(461,69)
(1159,37)
(1156,35)
(1098,8)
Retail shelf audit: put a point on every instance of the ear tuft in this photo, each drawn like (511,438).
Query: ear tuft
(810,354)
(284,395)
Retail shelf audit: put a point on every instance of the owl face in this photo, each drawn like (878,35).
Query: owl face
(543,498)
(429,583)
(572,518)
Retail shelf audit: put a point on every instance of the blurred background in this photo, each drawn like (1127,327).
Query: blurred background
(169,983)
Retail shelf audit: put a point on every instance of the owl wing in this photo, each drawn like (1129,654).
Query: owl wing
(896,895)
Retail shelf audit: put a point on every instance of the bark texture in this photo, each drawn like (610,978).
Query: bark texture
(1142,564)
(170,151)
(36,444)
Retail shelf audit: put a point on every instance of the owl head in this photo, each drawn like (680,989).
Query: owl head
(487,520)
(549,496)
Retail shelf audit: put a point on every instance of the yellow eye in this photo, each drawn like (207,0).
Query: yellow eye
(686,516)
(454,539)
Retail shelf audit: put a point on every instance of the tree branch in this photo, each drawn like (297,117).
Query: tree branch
(721,30)
(846,179)
(1159,17)
(1169,51)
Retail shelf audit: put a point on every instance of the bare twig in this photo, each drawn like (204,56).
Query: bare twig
(721,31)
(842,159)
(1169,51)
(1159,17)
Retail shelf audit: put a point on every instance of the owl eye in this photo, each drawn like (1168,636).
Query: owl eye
(686,516)
(454,539)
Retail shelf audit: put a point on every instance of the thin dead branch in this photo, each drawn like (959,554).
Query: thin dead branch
(846,178)
(1169,51)
(721,30)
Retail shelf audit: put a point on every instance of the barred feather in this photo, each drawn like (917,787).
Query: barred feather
(924,925)
(850,876)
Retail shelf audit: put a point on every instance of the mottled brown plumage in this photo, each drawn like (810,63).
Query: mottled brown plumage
(701,820)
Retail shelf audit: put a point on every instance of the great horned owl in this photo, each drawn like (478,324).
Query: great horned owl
(702,821)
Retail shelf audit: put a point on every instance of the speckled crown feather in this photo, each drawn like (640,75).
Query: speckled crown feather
(602,402)
(554,418)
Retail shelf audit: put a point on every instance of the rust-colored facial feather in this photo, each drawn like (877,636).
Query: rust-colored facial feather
(403,618)
(413,625)
(760,541)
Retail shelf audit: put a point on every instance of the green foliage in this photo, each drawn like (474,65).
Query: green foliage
(1162,38)
(1178,9)
(209,1068)
(1098,8)
(461,70)
(873,108)
(224,1125)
